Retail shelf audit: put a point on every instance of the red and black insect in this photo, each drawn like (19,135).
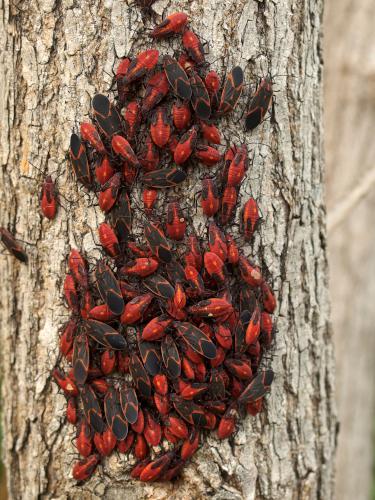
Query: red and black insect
(109,192)
(108,361)
(122,148)
(253,328)
(121,216)
(150,355)
(216,241)
(81,358)
(177,78)
(157,242)
(71,293)
(132,118)
(249,272)
(172,25)
(84,469)
(114,415)
(140,65)
(104,170)
(105,334)
(109,288)
(164,178)
(84,438)
(211,308)
(259,104)
(194,279)
(149,157)
(140,376)
(190,445)
(195,252)
(176,223)
(268,297)
(212,83)
(181,115)
(10,243)
(193,46)
(129,404)
(232,90)
(78,268)
(207,155)
(106,116)
(240,345)
(239,368)
(214,266)
(196,339)
(157,88)
(156,468)
(90,135)
(159,286)
(190,411)
(210,132)
(48,199)
(238,166)
(257,388)
(108,240)
(210,201)
(160,128)
(250,217)
(149,197)
(79,161)
(228,204)
(142,267)
(91,408)
(156,328)
(135,309)
(171,357)
(200,100)
(65,383)
(186,146)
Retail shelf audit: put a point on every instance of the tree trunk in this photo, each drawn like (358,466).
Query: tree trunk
(56,55)
(350,118)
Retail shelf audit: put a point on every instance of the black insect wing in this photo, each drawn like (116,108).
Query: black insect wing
(91,408)
(140,377)
(200,100)
(150,357)
(159,286)
(258,387)
(106,116)
(164,178)
(11,244)
(196,339)
(121,216)
(171,357)
(114,415)
(79,160)
(129,404)
(105,334)
(177,78)
(109,288)
(81,358)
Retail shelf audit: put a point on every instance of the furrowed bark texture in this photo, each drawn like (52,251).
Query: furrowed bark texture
(349,119)
(57,55)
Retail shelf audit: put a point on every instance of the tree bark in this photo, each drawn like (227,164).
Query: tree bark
(56,55)
(349,119)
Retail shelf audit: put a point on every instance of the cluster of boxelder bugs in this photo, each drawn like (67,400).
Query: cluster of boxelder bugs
(166,342)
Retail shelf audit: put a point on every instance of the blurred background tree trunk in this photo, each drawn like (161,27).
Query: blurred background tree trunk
(57,54)
(350,151)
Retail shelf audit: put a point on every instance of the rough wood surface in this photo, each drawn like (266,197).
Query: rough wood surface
(349,118)
(56,55)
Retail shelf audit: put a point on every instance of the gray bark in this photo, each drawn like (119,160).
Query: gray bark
(349,119)
(56,55)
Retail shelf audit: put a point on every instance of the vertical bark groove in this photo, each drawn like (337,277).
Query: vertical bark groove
(57,55)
